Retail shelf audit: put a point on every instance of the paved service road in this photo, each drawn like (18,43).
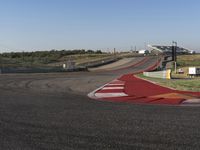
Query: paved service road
(52,112)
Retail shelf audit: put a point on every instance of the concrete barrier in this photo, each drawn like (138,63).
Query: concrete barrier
(166,74)
(99,62)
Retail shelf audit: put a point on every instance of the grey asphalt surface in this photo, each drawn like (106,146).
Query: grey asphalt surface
(52,112)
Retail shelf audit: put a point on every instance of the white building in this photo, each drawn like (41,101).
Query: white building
(142,51)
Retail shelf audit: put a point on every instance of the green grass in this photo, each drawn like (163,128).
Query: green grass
(179,84)
(184,62)
(188,60)
(181,81)
(50,61)
(57,61)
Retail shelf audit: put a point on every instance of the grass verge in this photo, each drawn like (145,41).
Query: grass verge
(188,60)
(179,84)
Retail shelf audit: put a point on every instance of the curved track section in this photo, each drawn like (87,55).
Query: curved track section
(131,89)
(51,112)
(120,64)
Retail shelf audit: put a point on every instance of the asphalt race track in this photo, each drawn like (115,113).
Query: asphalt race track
(53,112)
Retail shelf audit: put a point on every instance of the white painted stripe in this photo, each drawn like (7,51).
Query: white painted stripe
(104,95)
(112,88)
(95,95)
(191,101)
(115,84)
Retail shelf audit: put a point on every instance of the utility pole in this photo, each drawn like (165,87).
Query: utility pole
(114,51)
(0,63)
(131,48)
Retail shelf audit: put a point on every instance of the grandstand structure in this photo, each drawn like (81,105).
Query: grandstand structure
(168,49)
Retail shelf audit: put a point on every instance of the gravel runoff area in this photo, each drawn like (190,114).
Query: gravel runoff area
(52,112)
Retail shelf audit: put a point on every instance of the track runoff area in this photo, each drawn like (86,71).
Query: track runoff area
(131,89)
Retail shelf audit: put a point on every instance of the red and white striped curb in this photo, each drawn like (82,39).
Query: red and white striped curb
(113,89)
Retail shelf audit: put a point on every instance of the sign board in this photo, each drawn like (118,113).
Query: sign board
(198,71)
(194,71)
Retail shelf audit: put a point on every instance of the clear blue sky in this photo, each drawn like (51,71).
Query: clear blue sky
(27,25)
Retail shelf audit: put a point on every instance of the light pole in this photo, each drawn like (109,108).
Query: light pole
(174,48)
(0,63)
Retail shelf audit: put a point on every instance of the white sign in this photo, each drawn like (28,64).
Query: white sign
(192,70)
(64,66)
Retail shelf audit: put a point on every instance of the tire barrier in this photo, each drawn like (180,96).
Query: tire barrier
(166,74)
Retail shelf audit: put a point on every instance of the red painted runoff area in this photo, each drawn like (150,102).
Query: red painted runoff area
(139,87)
(131,89)
(142,91)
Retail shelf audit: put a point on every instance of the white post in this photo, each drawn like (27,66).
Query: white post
(175,67)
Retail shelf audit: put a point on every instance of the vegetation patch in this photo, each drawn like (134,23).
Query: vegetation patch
(46,58)
(179,84)
(188,60)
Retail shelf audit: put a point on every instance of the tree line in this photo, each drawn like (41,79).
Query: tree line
(51,53)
